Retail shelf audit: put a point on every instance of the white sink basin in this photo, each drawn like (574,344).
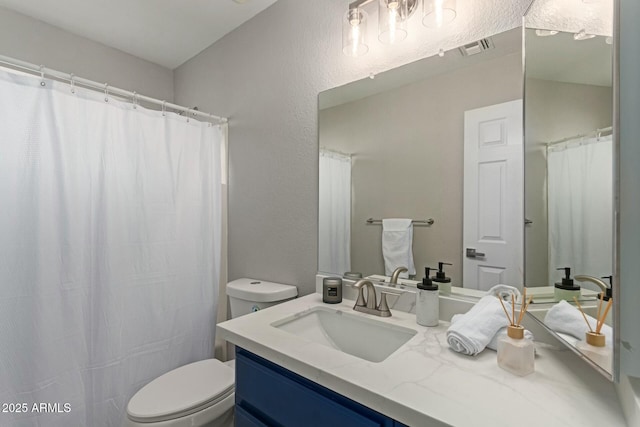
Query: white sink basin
(366,338)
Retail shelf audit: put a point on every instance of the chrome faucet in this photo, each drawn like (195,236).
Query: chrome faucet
(602,285)
(370,305)
(395,274)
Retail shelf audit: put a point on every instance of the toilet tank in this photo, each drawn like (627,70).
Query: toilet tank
(249,295)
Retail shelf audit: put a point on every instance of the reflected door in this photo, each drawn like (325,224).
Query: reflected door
(493,196)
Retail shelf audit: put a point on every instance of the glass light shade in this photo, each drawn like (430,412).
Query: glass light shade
(546,33)
(354,29)
(436,13)
(582,35)
(392,20)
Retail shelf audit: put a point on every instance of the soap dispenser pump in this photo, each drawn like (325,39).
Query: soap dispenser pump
(566,290)
(427,301)
(442,280)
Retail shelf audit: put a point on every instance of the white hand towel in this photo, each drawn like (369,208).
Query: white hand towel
(565,318)
(397,246)
(472,331)
(493,344)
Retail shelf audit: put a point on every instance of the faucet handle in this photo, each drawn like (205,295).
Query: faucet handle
(383,308)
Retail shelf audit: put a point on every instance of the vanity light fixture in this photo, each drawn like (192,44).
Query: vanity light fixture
(354,29)
(393,16)
(583,35)
(392,20)
(437,13)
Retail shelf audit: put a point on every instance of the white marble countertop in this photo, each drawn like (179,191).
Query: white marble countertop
(425,383)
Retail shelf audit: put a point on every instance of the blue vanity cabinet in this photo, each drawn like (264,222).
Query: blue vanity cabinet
(269,395)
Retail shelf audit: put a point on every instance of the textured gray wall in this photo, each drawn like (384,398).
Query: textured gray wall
(34,41)
(266,76)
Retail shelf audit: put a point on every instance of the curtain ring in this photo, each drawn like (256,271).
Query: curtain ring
(73,83)
(187,114)
(164,108)
(42,82)
(106,92)
(135,100)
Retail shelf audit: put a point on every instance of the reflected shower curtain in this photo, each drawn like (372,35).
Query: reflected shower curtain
(334,216)
(580,191)
(109,250)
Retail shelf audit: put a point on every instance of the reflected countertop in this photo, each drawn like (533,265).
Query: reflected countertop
(425,382)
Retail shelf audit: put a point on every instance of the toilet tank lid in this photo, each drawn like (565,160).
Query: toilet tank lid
(260,290)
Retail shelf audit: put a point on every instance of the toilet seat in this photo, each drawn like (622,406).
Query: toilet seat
(183,391)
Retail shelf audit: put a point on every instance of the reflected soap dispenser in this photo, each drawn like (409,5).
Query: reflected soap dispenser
(444,282)
(566,290)
(427,302)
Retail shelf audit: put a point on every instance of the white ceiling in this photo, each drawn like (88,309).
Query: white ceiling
(166,32)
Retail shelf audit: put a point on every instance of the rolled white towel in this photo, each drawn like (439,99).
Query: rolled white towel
(504,292)
(565,318)
(472,331)
(493,344)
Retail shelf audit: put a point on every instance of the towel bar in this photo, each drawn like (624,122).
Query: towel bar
(427,222)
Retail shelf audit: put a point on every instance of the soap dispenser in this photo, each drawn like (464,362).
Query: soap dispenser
(566,290)
(427,302)
(444,282)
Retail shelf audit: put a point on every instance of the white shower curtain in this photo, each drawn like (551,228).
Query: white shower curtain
(580,191)
(109,250)
(334,217)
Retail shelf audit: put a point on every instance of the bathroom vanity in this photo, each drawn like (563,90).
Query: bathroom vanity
(267,394)
(281,373)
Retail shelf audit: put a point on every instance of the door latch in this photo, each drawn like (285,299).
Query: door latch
(472,253)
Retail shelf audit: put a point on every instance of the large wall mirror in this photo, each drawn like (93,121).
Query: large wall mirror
(441,142)
(393,146)
(569,169)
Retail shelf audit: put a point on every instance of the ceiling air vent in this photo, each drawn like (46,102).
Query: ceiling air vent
(476,47)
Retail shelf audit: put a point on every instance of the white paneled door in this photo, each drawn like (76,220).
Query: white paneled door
(493,196)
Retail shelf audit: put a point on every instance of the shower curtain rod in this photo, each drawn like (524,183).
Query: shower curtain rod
(59,75)
(597,132)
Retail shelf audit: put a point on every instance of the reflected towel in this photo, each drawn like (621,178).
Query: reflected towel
(397,246)
(565,318)
(472,331)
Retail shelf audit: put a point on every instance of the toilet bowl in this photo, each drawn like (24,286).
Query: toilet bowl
(201,394)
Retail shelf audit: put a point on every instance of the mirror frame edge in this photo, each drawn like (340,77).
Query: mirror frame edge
(616,369)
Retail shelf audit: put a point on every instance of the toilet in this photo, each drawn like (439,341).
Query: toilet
(202,394)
